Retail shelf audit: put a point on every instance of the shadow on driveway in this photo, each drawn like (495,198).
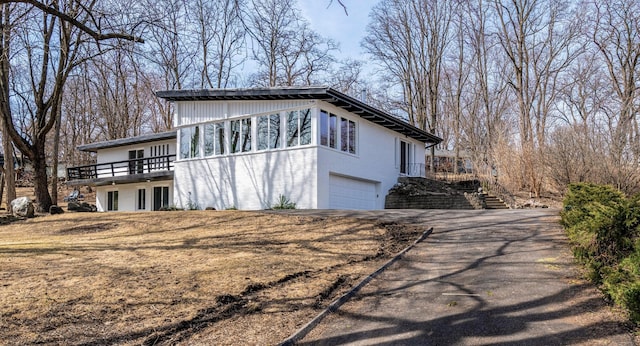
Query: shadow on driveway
(483,277)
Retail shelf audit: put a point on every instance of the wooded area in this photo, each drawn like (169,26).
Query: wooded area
(544,92)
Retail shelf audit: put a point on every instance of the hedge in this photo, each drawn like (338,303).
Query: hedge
(603,226)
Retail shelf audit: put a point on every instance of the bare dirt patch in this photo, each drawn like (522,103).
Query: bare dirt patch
(180,277)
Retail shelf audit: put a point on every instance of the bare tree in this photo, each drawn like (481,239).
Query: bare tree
(286,49)
(9,19)
(537,37)
(409,39)
(53,41)
(616,36)
(221,40)
(168,44)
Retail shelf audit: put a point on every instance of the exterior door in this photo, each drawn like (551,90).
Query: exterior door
(160,197)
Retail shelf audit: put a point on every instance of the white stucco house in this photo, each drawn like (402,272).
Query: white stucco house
(244,148)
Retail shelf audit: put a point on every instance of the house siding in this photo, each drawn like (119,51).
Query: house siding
(248,181)
(375,160)
(195,112)
(127,193)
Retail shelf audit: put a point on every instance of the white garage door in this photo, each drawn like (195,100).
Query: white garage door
(349,193)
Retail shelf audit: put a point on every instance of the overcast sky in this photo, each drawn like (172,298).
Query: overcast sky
(332,22)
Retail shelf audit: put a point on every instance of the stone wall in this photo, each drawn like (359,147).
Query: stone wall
(421,193)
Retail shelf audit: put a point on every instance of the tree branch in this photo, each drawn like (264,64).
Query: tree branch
(95,34)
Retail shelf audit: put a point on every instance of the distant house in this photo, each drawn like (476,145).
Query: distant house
(243,148)
(445,161)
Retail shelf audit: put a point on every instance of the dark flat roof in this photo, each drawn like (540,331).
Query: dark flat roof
(128,141)
(326,94)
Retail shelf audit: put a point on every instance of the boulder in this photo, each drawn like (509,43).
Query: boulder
(23,207)
(81,207)
(54,209)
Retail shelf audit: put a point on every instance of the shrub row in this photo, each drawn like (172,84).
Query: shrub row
(603,226)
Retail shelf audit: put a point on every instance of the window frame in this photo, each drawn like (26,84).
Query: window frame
(242,143)
(272,132)
(193,143)
(112,200)
(141,203)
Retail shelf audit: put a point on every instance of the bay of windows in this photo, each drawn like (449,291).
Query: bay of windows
(266,132)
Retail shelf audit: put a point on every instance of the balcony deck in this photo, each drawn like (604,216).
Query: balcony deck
(120,172)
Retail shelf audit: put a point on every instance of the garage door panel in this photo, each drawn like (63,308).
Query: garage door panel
(351,193)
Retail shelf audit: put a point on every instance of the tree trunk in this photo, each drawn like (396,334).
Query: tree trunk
(56,150)
(1,185)
(9,172)
(40,184)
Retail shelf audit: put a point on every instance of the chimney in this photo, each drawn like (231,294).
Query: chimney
(363,95)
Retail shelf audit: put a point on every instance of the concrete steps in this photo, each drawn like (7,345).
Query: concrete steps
(493,202)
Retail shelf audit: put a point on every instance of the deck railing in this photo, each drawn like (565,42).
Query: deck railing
(122,168)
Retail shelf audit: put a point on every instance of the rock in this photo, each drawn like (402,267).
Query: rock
(23,207)
(81,207)
(73,206)
(210,208)
(54,209)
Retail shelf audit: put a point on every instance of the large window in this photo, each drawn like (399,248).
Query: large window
(189,142)
(298,127)
(214,139)
(347,136)
(112,200)
(268,131)
(328,133)
(241,135)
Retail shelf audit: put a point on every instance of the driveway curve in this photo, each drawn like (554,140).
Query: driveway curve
(483,277)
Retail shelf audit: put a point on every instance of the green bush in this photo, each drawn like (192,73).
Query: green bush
(603,226)
(283,203)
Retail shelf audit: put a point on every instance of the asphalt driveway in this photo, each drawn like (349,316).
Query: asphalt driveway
(483,277)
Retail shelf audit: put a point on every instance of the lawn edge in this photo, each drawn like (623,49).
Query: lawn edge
(336,304)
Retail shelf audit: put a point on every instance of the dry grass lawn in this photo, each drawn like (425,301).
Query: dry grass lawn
(201,277)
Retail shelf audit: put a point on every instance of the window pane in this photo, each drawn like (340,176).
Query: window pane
(344,134)
(165,196)
(352,137)
(195,142)
(185,142)
(305,126)
(333,131)
(235,136)
(262,131)
(324,128)
(403,157)
(219,138)
(292,128)
(246,134)
(274,131)
(142,199)
(209,134)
